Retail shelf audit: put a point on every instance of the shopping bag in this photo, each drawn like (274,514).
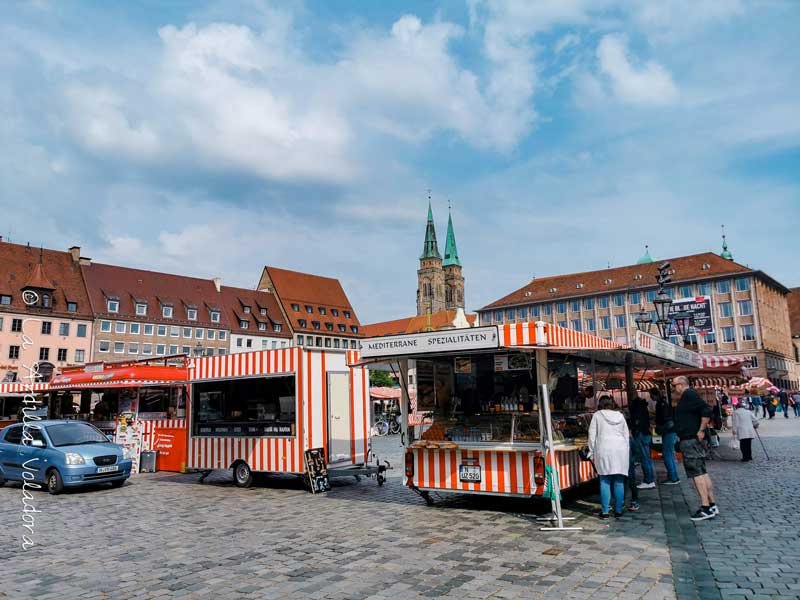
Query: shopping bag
(733,444)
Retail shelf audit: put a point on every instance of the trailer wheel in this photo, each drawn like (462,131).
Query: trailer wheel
(242,475)
(381,479)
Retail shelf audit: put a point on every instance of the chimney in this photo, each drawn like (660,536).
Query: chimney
(75,251)
(218,283)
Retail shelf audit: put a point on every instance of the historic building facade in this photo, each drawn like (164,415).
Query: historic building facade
(440,282)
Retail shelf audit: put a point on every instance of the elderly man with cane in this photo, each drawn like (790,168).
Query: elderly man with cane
(692,417)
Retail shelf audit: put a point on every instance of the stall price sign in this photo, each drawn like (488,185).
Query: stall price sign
(317,470)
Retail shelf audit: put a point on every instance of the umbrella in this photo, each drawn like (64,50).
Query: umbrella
(773,389)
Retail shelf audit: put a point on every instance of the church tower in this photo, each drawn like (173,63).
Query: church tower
(453,279)
(430,275)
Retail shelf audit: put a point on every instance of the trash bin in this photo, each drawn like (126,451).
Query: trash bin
(147,461)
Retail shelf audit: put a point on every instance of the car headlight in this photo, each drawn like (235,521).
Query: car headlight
(75,459)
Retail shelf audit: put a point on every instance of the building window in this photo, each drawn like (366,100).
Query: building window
(315,324)
(728,334)
(318,342)
(47,327)
(243,324)
(13,352)
(336,343)
(264,344)
(347,314)
(635,298)
(704,289)
(135,328)
(327,342)
(44,353)
(198,333)
(547,309)
(214,316)
(187,350)
(133,348)
(162,330)
(81,332)
(148,330)
(1,323)
(754,362)
(246,309)
(354,328)
(486,318)
(561,308)
(174,331)
(238,342)
(221,351)
(72,307)
(161,349)
(309,309)
(119,327)
(498,316)
(710,338)
(748,333)
(686,291)
(166,311)
(590,324)
(602,302)
(191,314)
(262,326)
(16,325)
(562,324)
(222,336)
(619,299)
(276,327)
(575,305)
(650,295)
(343,328)
(302,322)
(104,346)
(63,329)
(300,340)
(621,321)
(263,311)
(522,312)
(5,300)
(724,286)
(141,309)
(535,310)
(588,304)
(725,309)
(113,306)
(187,332)
(119,347)
(61,355)
(576,324)
(510,314)
(322,310)
(249,342)
(173,349)
(335,312)
(80,356)
(353,344)
(295,307)
(745,307)
(211,334)
(742,284)
(605,323)
(147,348)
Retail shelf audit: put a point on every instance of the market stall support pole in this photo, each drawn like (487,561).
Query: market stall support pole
(630,386)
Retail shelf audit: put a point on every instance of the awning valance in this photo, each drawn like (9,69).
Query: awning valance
(127,376)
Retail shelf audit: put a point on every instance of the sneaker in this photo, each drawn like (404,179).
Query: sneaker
(617,515)
(646,486)
(713,509)
(702,515)
(604,515)
(633,506)
(670,482)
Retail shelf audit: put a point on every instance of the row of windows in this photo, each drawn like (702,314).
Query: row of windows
(745,308)
(168,311)
(328,326)
(161,330)
(320,342)
(44,354)
(322,310)
(46,327)
(261,326)
(265,344)
(44,302)
(105,346)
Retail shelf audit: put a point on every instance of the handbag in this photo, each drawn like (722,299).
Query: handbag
(585,453)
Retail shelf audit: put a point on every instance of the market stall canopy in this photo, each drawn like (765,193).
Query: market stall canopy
(21,388)
(384,393)
(711,361)
(120,375)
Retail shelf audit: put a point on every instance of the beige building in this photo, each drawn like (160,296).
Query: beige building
(749,309)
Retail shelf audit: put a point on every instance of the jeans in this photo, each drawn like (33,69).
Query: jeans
(796,409)
(668,450)
(785,408)
(643,441)
(606,484)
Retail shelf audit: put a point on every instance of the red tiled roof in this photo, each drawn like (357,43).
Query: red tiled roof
(687,268)
(438,320)
(19,267)
(304,289)
(235,299)
(794,310)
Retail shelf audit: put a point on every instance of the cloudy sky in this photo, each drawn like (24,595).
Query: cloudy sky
(213,138)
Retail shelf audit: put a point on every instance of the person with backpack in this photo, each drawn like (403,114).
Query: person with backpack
(665,427)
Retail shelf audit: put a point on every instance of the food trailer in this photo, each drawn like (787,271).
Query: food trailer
(484,391)
(12,400)
(265,411)
(142,404)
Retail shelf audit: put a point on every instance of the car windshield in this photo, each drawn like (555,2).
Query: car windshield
(70,434)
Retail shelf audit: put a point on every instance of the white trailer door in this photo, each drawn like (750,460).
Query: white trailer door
(339,417)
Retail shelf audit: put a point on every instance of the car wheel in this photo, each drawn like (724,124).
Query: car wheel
(55,485)
(242,475)
(117,484)
(2,481)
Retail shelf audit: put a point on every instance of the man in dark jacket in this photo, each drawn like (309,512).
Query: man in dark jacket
(665,427)
(640,431)
(692,417)
(783,398)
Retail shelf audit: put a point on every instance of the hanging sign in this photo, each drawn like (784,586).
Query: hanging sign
(448,340)
(699,309)
(650,344)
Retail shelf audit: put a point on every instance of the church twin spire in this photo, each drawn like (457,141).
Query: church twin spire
(440,283)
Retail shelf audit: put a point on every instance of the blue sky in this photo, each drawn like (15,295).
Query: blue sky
(213,138)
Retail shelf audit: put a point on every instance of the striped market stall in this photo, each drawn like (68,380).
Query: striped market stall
(12,396)
(261,411)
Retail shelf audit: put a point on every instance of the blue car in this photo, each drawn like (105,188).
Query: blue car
(59,454)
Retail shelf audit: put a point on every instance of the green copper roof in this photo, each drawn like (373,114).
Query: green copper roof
(450,249)
(431,248)
(646,258)
(725,252)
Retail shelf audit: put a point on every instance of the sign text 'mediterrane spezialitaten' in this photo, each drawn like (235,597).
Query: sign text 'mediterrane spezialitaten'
(477,338)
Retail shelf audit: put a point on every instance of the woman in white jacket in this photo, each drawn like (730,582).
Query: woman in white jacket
(610,447)
(744,430)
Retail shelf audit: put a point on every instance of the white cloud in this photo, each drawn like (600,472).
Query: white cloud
(648,84)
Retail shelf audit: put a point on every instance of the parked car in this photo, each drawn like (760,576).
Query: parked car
(61,454)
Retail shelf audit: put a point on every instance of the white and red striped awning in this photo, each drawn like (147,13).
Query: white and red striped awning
(552,336)
(22,388)
(120,383)
(710,361)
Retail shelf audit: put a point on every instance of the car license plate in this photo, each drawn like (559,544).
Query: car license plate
(110,469)
(469,473)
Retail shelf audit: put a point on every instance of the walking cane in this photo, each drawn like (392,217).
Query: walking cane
(762,444)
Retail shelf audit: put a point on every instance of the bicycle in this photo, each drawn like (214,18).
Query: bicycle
(387,425)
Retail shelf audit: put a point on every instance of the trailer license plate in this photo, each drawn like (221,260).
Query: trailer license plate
(110,469)
(470,473)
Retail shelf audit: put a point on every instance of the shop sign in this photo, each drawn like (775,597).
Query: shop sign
(699,309)
(512,362)
(650,344)
(449,340)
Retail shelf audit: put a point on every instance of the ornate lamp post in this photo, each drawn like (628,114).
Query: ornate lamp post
(643,320)
(662,302)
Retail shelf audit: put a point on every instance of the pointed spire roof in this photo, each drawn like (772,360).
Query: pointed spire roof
(431,248)
(450,249)
(725,252)
(38,279)
(646,258)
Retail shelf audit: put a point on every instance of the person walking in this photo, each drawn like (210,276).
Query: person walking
(692,417)
(756,403)
(640,430)
(772,404)
(665,427)
(744,430)
(609,447)
(783,398)
(796,403)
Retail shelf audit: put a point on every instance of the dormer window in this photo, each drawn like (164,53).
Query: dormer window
(343,328)
(246,309)
(302,322)
(347,314)
(166,311)
(322,310)
(528,294)
(315,324)
(72,307)
(262,326)
(263,311)
(276,327)
(5,300)
(354,328)
(706,266)
(113,306)
(329,326)
(244,324)
(638,276)
(295,307)
(141,309)
(215,316)
(309,309)
(191,314)
(45,300)
(553,290)
(335,312)
(579,286)
(607,282)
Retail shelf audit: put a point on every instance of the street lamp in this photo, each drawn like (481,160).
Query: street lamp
(682,324)
(198,350)
(643,321)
